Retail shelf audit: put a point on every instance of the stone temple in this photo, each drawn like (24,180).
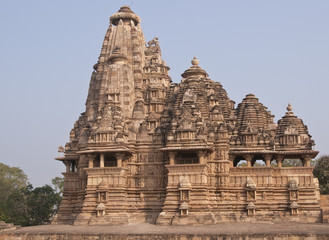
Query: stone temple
(149,150)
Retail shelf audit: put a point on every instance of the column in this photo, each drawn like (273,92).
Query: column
(102,157)
(307,161)
(231,158)
(119,157)
(248,158)
(171,157)
(201,154)
(279,160)
(67,165)
(91,159)
(267,159)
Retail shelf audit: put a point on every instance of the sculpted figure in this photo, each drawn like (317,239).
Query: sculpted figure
(154,41)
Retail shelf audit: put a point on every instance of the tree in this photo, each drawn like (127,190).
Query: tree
(15,209)
(58,183)
(292,163)
(42,203)
(11,179)
(28,206)
(321,171)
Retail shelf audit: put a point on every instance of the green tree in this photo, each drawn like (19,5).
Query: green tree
(15,209)
(28,206)
(11,179)
(42,203)
(321,171)
(58,183)
(292,163)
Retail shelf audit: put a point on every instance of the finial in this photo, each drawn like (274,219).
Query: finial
(289,108)
(195,61)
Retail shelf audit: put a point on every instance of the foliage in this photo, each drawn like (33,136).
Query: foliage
(11,179)
(28,206)
(321,171)
(21,204)
(58,183)
(292,163)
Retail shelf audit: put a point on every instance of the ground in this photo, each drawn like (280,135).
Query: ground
(218,229)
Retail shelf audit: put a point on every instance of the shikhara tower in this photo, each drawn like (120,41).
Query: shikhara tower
(149,150)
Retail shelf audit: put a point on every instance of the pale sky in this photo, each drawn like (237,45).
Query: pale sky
(278,50)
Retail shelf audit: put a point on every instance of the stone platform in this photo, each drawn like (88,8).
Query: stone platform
(232,231)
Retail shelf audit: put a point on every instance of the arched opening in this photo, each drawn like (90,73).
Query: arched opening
(242,163)
(239,161)
(258,161)
(274,163)
(292,162)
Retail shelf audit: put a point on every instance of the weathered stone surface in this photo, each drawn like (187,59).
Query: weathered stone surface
(4,227)
(148,150)
(238,231)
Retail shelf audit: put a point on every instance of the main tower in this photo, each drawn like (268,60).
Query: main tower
(113,159)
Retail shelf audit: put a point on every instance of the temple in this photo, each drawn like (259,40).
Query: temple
(150,150)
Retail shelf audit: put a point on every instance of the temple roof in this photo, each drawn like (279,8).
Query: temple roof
(253,115)
(290,123)
(195,70)
(124,13)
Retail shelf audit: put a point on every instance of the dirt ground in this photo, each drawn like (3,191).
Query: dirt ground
(144,228)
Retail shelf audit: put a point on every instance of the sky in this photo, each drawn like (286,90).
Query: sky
(277,50)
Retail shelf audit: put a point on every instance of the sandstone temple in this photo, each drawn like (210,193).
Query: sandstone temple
(150,150)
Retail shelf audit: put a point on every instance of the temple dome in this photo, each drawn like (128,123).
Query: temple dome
(292,132)
(253,114)
(124,13)
(195,70)
(291,121)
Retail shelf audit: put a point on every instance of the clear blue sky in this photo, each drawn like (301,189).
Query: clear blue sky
(278,50)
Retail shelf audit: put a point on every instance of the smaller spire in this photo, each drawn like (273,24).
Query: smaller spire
(195,70)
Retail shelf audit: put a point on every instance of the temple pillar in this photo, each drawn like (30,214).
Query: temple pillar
(171,157)
(279,160)
(91,159)
(102,157)
(201,154)
(307,161)
(119,157)
(268,159)
(248,158)
(67,166)
(231,158)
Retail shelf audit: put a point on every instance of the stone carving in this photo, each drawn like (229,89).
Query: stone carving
(150,150)
(251,184)
(189,96)
(154,41)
